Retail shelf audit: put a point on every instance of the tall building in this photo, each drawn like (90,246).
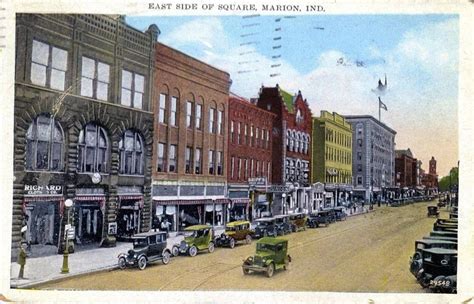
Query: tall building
(190,159)
(291,150)
(249,169)
(430,179)
(373,157)
(405,169)
(332,158)
(83,129)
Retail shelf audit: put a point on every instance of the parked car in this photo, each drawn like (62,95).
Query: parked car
(196,238)
(298,221)
(271,254)
(282,223)
(265,227)
(451,234)
(439,269)
(235,232)
(319,218)
(445,227)
(340,213)
(416,261)
(433,211)
(147,247)
(447,221)
(442,238)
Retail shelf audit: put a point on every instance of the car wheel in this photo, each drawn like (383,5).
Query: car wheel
(248,239)
(166,257)
(211,248)
(175,251)
(246,271)
(122,263)
(231,243)
(192,251)
(142,263)
(270,270)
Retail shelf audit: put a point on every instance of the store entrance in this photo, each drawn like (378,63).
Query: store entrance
(42,220)
(88,221)
(128,220)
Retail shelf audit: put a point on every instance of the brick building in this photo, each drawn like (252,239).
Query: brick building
(405,169)
(83,129)
(430,180)
(191,122)
(291,152)
(249,169)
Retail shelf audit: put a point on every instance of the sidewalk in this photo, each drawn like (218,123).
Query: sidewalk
(42,269)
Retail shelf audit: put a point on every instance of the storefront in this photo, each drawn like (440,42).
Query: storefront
(88,216)
(238,209)
(318,197)
(129,211)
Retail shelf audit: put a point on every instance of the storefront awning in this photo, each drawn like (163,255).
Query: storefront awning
(193,202)
(90,198)
(42,198)
(241,201)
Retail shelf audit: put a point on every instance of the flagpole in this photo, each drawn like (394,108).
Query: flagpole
(379,110)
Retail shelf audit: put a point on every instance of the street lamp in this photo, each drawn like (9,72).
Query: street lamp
(283,198)
(65,269)
(213,211)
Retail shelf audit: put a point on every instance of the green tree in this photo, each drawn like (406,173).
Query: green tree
(450,181)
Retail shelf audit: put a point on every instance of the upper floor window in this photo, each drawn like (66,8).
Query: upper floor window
(44,145)
(162,109)
(232,131)
(172,158)
(220,163)
(95,79)
(131,153)
(161,157)
(299,116)
(198,161)
(48,66)
(133,87)
(93,149)
(198,116)
(238,133)
(189,160)
(212,122)
(174,111)
(211,162)
(220,128)
(189,114)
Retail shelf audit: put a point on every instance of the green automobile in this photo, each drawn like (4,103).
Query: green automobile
(271,254)
(196,238)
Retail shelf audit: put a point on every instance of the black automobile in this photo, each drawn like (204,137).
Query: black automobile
(147,247)
(416,261)
(439,269)
(283,225)
(340,213)
(319,218)
(265,227)
(452,234)
(442,238)
(432,211)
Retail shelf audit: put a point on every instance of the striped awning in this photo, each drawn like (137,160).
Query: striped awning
(41,198)
(193,202)
(90,198)
(242,201)
(135,197)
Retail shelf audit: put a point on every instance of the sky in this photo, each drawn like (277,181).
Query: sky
(336,62)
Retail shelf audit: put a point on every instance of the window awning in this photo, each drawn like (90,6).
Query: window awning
(41,198)
(241,201)
(193,202)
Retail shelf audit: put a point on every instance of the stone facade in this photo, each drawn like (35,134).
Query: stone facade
(71,122)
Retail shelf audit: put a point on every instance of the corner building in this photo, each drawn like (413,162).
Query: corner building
(291,152)
(83,129)
(190,159)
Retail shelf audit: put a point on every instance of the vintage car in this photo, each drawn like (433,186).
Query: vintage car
(445,227)
(416,261)
(266,226)
(282,223)
(319,218)
(433,211)
(235,232)
(298,221)
(442,238)
(271,254)
(447,221)
(439,269)
(340,213)
(147,247)
(451,234)
(196,238)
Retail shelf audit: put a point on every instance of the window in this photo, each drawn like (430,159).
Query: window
(299,116)
(220,167)
(161,157)
(198,116)
(251,136)
(246,169)
(251,169)
(93,148)
(359,180)
(95,79)
(239,169)
(232,167)
(257,169)
(172,158)
(256,137)
(197,161)
(359,168)
(131,153)
(133,86)
(359,155)
(48,66)
(262,139)
(174,110)
(269,170)
(212,113)
(232,131)
(44,145)
(359,142)
(238,133)
(189,159)
(245,134)
(268,139)
(220,129)
(162,110)
(189,114)
(211,162)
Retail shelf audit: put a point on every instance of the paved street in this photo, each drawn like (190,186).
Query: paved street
(365,253)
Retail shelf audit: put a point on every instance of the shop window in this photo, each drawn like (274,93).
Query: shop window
(189,160)
(48,66)
(133,87)
(95,79)
(161,157)
(174,111)
(93,149)
(131,153)
(44,145)
(172,158)
(198,161)
(162,109)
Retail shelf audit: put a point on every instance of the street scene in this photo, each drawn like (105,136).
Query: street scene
(148,158)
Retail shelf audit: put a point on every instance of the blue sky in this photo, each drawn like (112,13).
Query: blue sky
(419,54)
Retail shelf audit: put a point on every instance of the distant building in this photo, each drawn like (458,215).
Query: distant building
(430,180)
(332,157)
(373,157)
(405,169)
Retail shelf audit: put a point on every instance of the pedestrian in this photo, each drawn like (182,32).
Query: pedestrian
(22,260)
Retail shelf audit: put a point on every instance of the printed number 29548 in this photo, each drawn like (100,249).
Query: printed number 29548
(444,283)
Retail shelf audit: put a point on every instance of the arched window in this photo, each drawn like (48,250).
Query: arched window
(297,142)
(131,153)
(93,149)
(288,139)
(44,145)
(306,144)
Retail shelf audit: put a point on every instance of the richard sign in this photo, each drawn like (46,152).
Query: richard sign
(43,190)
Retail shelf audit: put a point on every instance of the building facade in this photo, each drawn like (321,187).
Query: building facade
(249,169)
(191,122)
(291,152)
(332,158)
(83,129)
(405,169)
(430,180)
(373,157)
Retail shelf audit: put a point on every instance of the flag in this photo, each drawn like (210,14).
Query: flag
(382,105)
